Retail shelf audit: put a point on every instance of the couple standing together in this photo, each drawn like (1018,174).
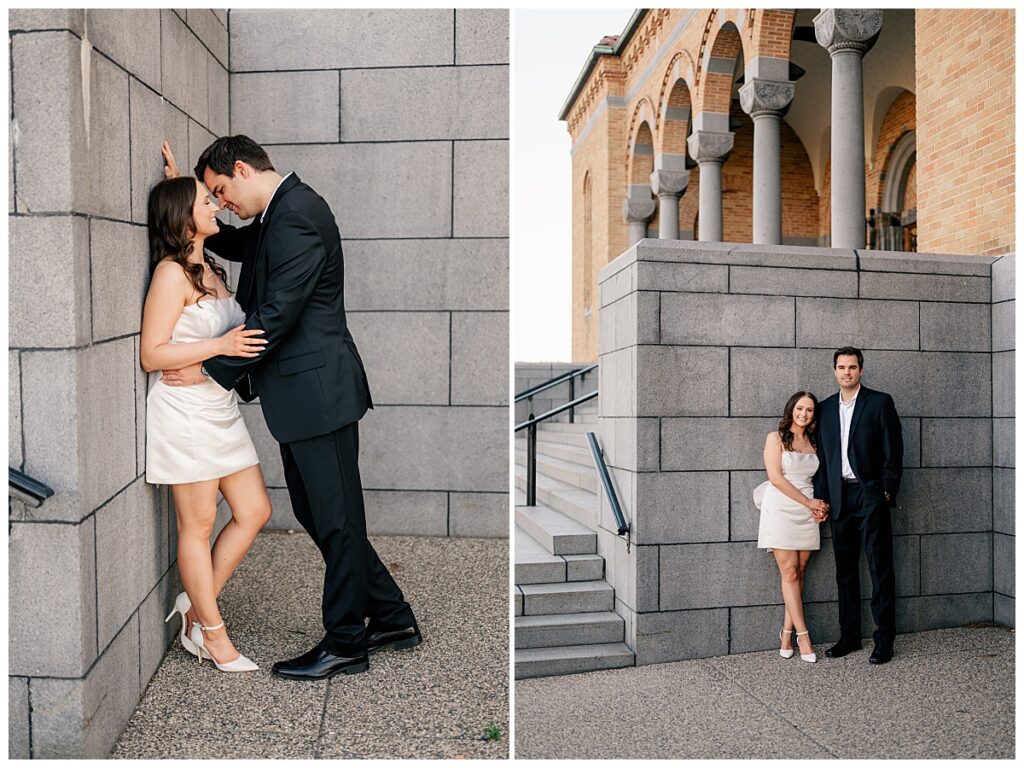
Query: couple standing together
(842,461)
(282,337)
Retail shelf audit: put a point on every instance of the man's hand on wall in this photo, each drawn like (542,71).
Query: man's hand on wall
(170,164)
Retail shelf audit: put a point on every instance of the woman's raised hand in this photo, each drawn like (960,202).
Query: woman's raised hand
(239,342)
(170,164)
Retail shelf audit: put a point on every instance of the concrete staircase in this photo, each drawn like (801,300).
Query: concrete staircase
(565,618)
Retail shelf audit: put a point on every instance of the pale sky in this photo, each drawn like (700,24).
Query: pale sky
(550,50)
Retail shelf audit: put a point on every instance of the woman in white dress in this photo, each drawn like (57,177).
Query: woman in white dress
(790,515)
(196,440)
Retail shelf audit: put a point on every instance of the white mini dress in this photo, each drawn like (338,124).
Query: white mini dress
(788,524)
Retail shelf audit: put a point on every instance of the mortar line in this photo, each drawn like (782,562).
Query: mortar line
(96,598)
(21,405)
(92,317)
(455,36)
(451,205)
(28,690)
(344,69)
(131,189)
(227,29)
(14,147)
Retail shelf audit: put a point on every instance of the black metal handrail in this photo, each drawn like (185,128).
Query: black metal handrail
(27,489)
(530,425)
(606,481)
(527,394)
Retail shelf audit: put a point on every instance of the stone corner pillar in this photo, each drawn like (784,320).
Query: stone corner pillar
(848,34)
(767,101)
(710,149)
(669,187)
(638,211)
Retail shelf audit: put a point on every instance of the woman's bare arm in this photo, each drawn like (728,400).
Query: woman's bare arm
(773,465)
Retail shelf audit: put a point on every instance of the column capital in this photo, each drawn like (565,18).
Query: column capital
(669,182)
(843,29)
(710,146)
(638,208)
(766,97)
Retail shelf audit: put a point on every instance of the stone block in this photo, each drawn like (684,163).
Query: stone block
(906,559)
(1003,564)
(713,443)
(218,97)
(478,514)
(427,274)
(727,320)
(1003,276)
(52,611)
(120,272)
(406,513)
(682,381)
(82,718)
(856,322)
(1002,326)
(18,718)
(630,444)
(267,448)
(428,103)
(435,448)
(756,627)
(955,327)
(340,38)
(210,31)
(793,282)
(918,614)
(480,198)
(716,576)
(184,67)
(633,574)
(199,138)
(956,442)
(265,106)
(141,391)
(131,555)
(618,284)
(1004,610)
(481,36)
(956,563)
(129,37)
(154,635)
(911,441)
(1003,510)
(762,380)
(681,507)
(479,363)
(379,190)
(944,501)
(1003,443)
(49,281)
(740,254)
(109,164)
(633,319)
(904,376)
(153,121)
(107,445)
(617,383)
(678,635)
(744,517)
(919,287)
(30,19)
(15,438)
(407,355)
(47,127)
(685,278)
(924,263)
(1002,383)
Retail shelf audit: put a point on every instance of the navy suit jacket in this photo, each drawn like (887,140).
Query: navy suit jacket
(309,377)
(875,448)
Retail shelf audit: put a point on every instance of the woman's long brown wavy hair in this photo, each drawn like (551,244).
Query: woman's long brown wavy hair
(172,228)
(787,422)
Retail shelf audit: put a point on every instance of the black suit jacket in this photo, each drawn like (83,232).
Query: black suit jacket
(310,378)
(875,448)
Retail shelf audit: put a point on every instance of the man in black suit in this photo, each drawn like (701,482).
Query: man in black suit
(313,391)
(860,462)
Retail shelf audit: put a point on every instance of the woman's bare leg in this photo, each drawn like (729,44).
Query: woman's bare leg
(789,569)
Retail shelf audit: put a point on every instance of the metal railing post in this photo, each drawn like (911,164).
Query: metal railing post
(531,464)
(572,396)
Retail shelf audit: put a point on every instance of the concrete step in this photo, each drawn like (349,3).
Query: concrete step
(567,660)
(555,531)
(569,629)
(566,451)
(578,439)
(567,597)
(560,426)
(534,564)
(579,504)
(583,567)
(568,472)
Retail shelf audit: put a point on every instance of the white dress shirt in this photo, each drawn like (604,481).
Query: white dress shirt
(264,214)
(845,417)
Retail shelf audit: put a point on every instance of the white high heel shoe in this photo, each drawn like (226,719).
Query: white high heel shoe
(786,653)
(808,657)
(241,664)
(182,605)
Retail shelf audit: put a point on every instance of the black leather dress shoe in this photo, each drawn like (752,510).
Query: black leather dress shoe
(840,649)
(317,664)
(880,655)
(398,639)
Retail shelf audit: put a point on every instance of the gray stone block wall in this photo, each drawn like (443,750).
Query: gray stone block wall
(91,571)
(701,346)
(399,119)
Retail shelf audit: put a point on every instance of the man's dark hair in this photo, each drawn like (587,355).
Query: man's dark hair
(848,351)
(220,157)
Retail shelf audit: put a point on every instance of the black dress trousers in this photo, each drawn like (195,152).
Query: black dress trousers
(868,522)
(322,474)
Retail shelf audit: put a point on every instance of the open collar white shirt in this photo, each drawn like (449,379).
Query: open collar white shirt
(264,214)
(845,418)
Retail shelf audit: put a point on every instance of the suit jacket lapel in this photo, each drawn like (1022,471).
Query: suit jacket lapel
(286,186)
(858,409)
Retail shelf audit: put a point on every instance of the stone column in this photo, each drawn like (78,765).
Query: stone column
(637,212)
(766,101)
(710,149)
(669,186)
(847,34)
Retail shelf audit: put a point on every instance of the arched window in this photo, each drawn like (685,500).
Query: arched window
(895,226)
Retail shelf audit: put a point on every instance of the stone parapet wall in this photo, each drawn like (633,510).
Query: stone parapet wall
(1003,459)
(701,346)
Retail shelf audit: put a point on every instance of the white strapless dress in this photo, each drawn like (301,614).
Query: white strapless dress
(197,433)
(788,524)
